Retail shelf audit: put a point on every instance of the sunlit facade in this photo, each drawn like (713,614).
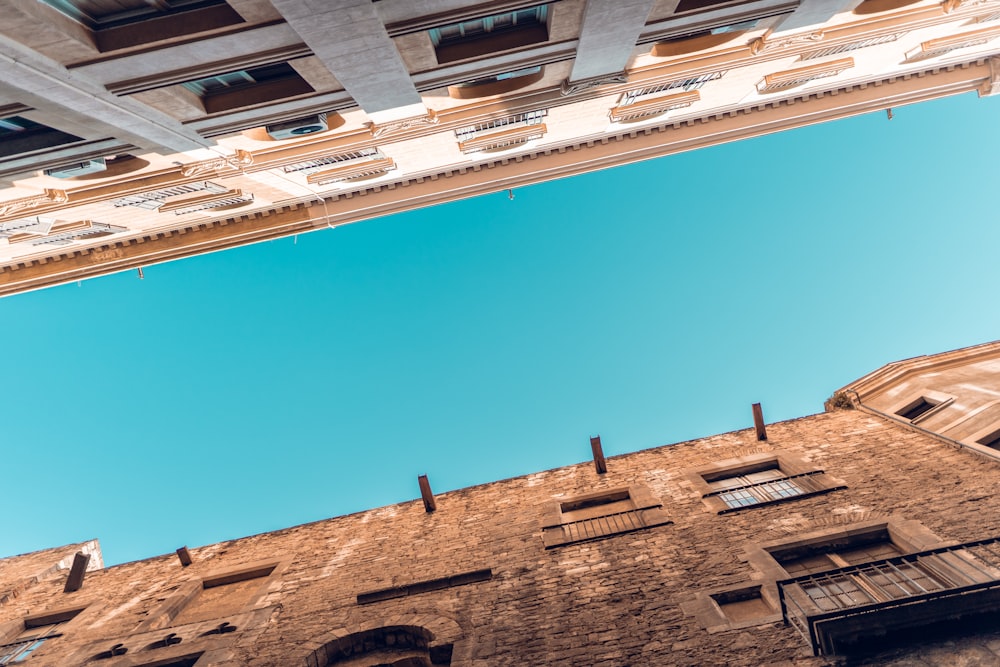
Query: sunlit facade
(133,133)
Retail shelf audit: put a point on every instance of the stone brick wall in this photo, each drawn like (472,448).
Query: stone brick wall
(625,600)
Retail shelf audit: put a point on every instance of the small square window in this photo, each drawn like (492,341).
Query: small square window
(992,440)
(742,605)
(923,406)
(917,408)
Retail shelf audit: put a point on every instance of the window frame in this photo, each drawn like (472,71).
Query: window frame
(815,480)
(643,510)
(247,90)
(937,400)
(173,607)
(141,27)
(22,649)
(490,38)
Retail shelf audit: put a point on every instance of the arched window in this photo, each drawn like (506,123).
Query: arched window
(392,646)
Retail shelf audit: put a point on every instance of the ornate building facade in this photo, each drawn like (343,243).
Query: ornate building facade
(851,537)
(135,132)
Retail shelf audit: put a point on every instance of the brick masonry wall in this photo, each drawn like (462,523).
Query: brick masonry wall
(615,602)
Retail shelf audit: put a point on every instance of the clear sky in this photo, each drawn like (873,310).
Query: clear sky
(294,380)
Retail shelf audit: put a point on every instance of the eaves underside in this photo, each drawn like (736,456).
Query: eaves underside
(420,190)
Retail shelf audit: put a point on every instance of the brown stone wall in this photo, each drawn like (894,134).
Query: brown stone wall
(627,600)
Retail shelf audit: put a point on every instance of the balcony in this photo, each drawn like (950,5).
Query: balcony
(604,526)
(843,610)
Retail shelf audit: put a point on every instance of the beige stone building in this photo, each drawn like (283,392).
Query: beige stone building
(863,535)
(139,131)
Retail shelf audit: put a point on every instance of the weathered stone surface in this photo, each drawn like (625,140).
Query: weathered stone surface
(612,602)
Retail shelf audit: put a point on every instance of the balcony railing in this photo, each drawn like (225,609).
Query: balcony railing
(770,491)
(839,609)
(604,526)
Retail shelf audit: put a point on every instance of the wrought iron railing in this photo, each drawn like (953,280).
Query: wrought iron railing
(769,491)
(815,603)
(611,524)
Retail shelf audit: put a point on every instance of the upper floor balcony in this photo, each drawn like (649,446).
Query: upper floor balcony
(844,609)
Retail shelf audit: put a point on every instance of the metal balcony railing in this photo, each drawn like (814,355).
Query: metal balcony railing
(837,608)
(768,491)
(611,524)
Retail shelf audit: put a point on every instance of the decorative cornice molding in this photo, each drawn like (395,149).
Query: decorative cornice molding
(402,125)
(295,217)
(235,162)
(992,85)
(763,44)
(573,87)
(9,208)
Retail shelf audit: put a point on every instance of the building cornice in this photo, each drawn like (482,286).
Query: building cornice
(420,190)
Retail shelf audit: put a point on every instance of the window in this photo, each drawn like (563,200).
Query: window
(224,594)
(496,84)
(20,135)
(405,646)
(152,200)
(938,47)
(64,233)
(315,164)
(686,6)
(802,75)
(759,479)
(488,34)
(37,631)
(186,661)
(242,88)
(686,85)
(852,46)
(752,487)
(124,23)
(652,107)
(923,406)
(463,579)
(741,605)
(502,133)
(992,440)
(854,590)
(597,515)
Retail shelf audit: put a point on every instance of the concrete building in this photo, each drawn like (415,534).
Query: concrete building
(844,537)
(134,132)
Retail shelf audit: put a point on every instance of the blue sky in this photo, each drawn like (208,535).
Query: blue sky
(294,380)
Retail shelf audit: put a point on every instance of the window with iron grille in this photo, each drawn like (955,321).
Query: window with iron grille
(507,123)
(151,200)
(759,479)
(502,133)
(756,487)
(802,75)
(309,166)
(76,232)
(602,514)
(693,83)
(852,46)
(943,45)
